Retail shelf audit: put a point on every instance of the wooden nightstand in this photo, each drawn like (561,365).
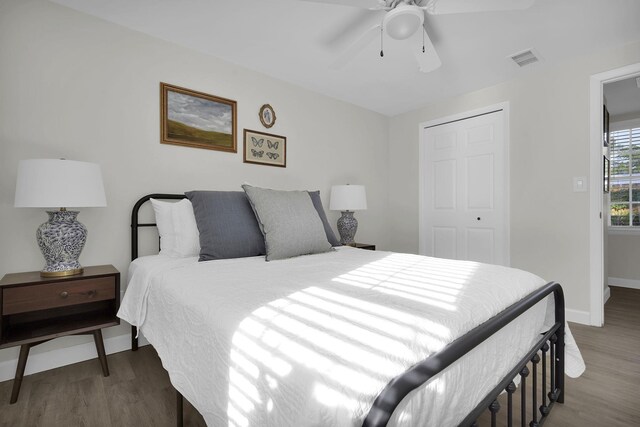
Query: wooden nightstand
(35,309)
(366,246)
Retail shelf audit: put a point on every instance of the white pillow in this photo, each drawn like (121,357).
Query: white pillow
(179,236)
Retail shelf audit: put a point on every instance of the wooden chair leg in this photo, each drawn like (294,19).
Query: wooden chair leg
(97,337)
(22,363)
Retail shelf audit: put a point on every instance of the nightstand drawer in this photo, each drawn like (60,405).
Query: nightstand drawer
(51,295)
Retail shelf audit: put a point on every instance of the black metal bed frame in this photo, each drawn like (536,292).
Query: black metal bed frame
(548,350)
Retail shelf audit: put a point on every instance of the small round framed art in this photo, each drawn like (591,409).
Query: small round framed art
(267,116)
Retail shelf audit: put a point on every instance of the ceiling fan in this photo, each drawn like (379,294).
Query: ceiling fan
(404,18)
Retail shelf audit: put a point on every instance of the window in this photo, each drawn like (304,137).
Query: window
(625,178)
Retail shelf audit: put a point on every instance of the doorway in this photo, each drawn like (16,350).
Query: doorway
(597,226)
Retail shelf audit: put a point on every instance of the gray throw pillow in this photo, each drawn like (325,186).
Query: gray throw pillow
(289,221)
(317,203)
(227,225)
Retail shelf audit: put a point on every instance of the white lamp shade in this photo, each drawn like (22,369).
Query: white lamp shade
(348,198)
(56,183)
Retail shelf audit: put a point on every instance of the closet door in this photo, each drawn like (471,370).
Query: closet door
(463,209)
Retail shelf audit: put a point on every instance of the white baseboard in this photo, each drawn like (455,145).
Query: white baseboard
(624,283)
(38,362)
(577,316)
(607,294)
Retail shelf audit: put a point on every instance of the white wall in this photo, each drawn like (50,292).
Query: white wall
(549,133)
(77,87)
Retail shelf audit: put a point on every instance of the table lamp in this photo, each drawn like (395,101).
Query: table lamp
(347,198)
(48,183)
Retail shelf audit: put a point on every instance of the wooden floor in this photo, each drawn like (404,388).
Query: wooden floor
(138,392)
(608,393)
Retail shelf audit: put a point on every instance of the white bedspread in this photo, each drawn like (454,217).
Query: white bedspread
(311,341)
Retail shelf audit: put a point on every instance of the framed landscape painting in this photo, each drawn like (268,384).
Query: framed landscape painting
(197,119)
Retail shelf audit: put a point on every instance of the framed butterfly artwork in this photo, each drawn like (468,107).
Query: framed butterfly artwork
(265,148)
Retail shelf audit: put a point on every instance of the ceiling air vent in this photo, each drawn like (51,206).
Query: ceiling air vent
(526,57)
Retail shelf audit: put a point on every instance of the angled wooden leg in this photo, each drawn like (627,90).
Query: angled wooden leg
(22,363)
(179,409)
(97,337)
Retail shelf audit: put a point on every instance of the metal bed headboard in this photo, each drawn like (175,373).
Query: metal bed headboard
(135,221)
(135,225)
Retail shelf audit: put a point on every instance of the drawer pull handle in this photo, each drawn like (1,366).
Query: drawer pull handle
(92,293)
(64,294)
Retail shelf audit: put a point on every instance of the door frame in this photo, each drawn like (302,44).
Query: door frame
(596,224)
(504,106)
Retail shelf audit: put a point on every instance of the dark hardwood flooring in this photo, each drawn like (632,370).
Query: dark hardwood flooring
(138,392)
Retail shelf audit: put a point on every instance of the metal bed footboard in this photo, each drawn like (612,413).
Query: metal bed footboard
(548,350)
(553,340)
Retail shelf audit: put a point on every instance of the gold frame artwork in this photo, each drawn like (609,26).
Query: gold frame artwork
(267,116)
(196,119)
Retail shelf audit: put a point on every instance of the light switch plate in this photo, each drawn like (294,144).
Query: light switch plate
(579,184)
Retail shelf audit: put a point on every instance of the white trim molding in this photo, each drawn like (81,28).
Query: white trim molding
(38,362)
(623,231)
(596,235)
(624,283)
(607,294)
(577,316)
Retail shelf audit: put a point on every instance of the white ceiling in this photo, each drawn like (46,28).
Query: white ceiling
(296,40)
(623,97)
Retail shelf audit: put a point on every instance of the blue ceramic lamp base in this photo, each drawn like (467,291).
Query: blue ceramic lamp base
(61,240)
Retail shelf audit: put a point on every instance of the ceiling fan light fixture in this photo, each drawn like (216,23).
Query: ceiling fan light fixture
(403,21)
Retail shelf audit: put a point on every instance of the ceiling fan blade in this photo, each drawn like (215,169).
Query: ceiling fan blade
(365,4)
(345,57)
(442,7)
(429,59)
(345,30)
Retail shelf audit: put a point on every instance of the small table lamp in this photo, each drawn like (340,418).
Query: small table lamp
(47,183)
(347,198)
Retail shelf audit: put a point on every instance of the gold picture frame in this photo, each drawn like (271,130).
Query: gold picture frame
(196,119)
(267,116)
(264,148)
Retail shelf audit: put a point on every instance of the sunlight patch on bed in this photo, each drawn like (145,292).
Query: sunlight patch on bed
(339,373)
(350,331)
(236,418)
(381,310)
(247,366)
(412,297)
(330,397)
(414,278)
(250,347)
(240,399)
(421,292)
(355,315)
(323,340)
(350,345)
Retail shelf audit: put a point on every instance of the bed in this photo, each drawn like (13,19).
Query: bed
(342,339)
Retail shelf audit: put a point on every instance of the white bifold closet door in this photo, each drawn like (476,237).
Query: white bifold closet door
(463,207)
